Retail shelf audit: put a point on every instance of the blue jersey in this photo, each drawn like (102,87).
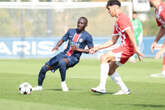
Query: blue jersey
(81,40)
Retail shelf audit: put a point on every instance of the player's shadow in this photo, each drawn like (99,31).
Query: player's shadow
(98,94)
(61,90)
(149,105)
(146,105)
(75,90)
(53,89)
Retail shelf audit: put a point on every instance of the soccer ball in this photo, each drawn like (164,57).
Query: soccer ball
(25,88)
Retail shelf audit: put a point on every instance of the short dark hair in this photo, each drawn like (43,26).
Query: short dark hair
(113,2)
(84,19)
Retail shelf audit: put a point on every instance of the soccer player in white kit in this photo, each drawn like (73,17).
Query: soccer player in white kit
(118,56)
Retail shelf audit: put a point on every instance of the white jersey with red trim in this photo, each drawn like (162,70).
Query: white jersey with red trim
(160,15)
(122,24)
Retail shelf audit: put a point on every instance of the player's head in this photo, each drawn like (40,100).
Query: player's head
(113,6)
(82,23)
(134,14)
(154,3)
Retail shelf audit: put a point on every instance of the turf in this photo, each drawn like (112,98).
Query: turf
(147,93)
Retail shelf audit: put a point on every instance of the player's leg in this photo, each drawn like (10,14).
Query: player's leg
(41,77)
(54,68)
(48,66)
(163,63)
(120,58)
(114,58)
(62,68)
(64,64)
(163,67)
(104,69)
(162,74)
(42,73)
(133,59)
(117,79)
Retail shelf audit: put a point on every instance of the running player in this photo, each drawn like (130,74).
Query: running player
(160,19)
(118,56)
(77,39)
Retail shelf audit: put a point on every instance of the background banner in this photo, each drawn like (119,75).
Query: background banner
(41,47)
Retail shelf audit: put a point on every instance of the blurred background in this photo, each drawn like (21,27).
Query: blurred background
(25,23)
(54,22)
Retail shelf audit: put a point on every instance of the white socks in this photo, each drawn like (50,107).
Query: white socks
(103,74)
(63,83)
(64,86)
(116,78)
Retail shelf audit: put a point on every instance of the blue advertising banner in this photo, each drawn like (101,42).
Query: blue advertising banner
(26,47)
(41,47)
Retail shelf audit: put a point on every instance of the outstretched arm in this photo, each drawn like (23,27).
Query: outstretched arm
(80,50)
(105,45)
(59,43)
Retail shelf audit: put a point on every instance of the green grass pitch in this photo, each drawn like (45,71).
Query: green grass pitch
(147,93)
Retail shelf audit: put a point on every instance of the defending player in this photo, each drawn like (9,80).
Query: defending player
(77,39)
(118,56)
(160,19)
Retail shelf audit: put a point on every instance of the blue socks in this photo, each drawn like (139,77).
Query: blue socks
(62,69)
(41,75)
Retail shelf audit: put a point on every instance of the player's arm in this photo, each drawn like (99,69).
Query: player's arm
(162,50)
(89,44)
(162,28)
(59,43)
(132,38)
(107,44)
(160,34)
(80,50)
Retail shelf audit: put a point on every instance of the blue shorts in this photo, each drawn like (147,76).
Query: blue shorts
(53,62)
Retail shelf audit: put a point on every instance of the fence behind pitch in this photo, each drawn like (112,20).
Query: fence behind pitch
(41,19)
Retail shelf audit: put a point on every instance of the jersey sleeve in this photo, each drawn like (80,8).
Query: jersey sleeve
(163,16)
(90,42)
(158,23)
(124,23)
(66,36)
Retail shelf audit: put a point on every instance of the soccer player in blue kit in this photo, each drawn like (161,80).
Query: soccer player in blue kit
(77,39)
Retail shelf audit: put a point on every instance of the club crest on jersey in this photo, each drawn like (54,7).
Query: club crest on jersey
(81,40)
